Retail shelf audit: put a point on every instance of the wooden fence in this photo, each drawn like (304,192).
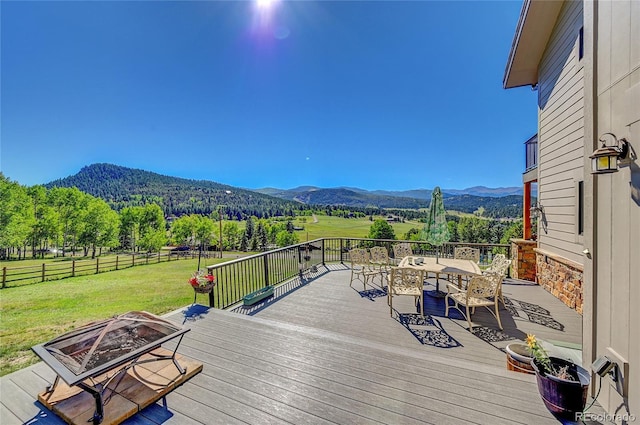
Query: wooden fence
(14,276)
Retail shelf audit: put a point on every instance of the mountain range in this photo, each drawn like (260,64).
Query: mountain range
(122,186)
(424,194)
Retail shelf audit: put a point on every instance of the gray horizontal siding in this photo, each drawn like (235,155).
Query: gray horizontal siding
(561,135)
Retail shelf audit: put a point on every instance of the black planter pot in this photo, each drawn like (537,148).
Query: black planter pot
(563,397)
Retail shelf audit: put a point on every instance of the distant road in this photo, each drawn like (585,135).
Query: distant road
(315,219)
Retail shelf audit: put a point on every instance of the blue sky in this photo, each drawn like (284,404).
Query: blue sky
(371,94)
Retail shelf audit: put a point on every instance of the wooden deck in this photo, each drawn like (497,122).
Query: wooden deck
(322,352)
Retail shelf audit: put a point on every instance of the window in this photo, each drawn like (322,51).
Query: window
(581,43)
(580,207)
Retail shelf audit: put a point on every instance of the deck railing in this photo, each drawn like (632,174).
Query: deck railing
(240,277)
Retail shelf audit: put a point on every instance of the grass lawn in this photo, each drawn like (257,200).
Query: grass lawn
(31,314)
(328,226)
(36,313)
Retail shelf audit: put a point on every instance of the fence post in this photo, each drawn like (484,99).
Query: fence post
(97,265)
(43,272)
(159,256)
(4,276)
(73,268)
(133,259)
(116,262)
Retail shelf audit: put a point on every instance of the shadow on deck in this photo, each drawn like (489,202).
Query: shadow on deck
(528,309)
(322,352)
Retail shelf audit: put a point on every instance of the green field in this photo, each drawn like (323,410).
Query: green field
(327,227)
(35,313)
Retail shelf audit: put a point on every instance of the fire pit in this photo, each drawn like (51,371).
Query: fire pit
(104,346)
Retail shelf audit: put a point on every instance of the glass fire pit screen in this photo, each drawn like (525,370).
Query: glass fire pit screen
(99,346)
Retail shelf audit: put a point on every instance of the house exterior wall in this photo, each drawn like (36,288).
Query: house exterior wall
(561,135)
(615,317)
(605,85)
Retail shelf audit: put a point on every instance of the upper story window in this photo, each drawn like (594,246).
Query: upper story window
(581,43)
(531,153)
(580,207)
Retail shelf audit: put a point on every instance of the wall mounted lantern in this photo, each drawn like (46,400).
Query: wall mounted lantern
(605,159)
(536,210)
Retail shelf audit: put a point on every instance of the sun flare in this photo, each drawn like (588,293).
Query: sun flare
(265,4)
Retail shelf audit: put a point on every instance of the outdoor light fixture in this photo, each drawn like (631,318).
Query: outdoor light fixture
(605,159)
(536,210)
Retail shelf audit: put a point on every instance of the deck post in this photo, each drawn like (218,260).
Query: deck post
(217,286)
(265,262)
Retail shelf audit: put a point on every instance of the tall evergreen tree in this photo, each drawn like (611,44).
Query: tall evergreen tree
(261,237)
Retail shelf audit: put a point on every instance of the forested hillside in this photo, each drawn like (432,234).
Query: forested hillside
(66,219)
(125,187)
(351,198)
(503,207)
(489,206)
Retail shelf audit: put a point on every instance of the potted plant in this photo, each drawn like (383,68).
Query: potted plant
(202,283)
(519,358)
(562,384)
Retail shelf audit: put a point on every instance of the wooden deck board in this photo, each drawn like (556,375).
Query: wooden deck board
(361,316)
(7,417)
(322,352)
(370,374)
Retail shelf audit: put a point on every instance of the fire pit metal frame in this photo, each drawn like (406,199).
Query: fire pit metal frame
(84,380)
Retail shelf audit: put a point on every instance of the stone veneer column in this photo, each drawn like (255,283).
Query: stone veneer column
(523,259)
(561,277)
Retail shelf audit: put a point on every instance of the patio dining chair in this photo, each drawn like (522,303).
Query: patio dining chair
(361,267)
(482,291)
(406,281)
(499,268)
(380,260)
(500,265)
(401,250)
(465,253)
